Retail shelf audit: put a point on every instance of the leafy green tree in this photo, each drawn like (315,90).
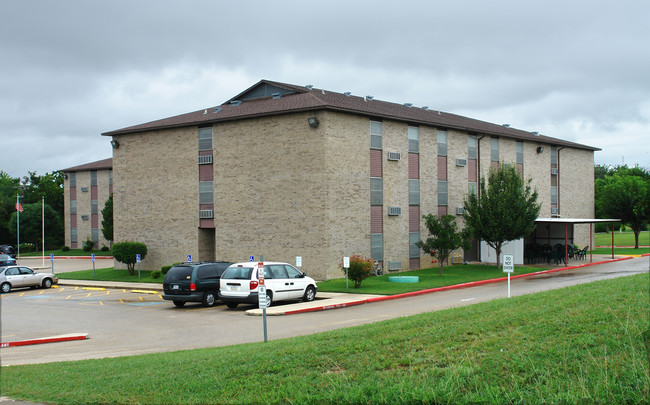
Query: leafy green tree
(444,237)
(126,252)
(626,197)
(31,225)
(107,219)
(9,189)
(49,185)
(505,208)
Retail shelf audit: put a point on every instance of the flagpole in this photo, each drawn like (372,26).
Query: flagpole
(18,225)
(43,242)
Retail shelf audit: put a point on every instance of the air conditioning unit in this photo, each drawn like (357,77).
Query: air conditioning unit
(460,211)
(85,217)
(461,162)
(206,214)
(555,211)
(393,211)
(392,266)
(205,159)
(395,156)
(554,171)
(84,189)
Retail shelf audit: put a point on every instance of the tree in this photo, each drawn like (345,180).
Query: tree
(126,252)
(9,188)
(360,269)
(444,237)
(31,225)
(505,208)
(107,219)
(626,197)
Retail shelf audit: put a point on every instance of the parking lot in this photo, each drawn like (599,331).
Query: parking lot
(123,322)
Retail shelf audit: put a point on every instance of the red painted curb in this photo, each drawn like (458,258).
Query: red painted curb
(450,287)
(45,340)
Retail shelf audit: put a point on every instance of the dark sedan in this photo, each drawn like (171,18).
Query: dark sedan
(6,260)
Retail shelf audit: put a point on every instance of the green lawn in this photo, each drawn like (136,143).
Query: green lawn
(620,251)
(110,274)
(581,344)
(71,252)
(429,278)
(621,238)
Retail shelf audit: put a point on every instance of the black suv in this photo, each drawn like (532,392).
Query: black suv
(194,282)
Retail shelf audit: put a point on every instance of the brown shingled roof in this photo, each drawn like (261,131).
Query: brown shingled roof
(305,99)
(98,165)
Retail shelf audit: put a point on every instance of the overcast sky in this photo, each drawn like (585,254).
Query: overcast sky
(71,70)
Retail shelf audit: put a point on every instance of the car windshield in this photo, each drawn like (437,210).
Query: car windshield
(178,273)
(237,273)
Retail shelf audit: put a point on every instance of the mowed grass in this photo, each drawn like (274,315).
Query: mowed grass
(622,238)
(579,344)
(428,278)
(71,252)
(111,274)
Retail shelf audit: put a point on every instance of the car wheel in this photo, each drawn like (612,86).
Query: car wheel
(47,283)
(5,288)
(179,304)
(269,299)
(208,299)
(232,305)
(310,294)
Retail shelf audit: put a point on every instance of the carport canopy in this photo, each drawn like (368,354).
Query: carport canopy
(573,221)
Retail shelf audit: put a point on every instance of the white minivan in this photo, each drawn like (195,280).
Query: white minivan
(239,284)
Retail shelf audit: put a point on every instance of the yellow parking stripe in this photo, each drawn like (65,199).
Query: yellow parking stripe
(94,288)
(144,291)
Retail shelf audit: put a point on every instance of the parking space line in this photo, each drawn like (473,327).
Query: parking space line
(94,288)
(144,292)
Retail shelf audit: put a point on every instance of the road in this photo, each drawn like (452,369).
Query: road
(122,323)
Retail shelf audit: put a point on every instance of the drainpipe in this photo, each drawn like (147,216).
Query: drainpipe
(559,208)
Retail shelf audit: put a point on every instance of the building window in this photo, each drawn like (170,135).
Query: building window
(73,179)
(494,149)
(520,152)
(376,191)
(554,155)
(94,235)
(414,139)
(377,246)
(442,193)
(442,143)
(73,235)
(414,192)
(554,195)
(73,207)
(205,138)
(375,134)
(93,178)
(110,177)
(414,250)
(471,147)
(94,207)
(471,189)
(206,192)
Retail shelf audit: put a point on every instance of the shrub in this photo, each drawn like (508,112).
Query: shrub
(65,248)
(105,248)
(165,269)
(156,274)
(126,252)
(88,245)
(360,268)
(27,247)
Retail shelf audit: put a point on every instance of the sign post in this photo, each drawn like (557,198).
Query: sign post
(346,265)
(508,267)
(299,263)
(137,259)
(261,295)
(92,258)
(52,261)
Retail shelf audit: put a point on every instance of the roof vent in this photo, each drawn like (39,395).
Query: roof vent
(347,93)
(408,104)
(439,112)
(426,107)
(506,125)
(368,98)
(323,91)
(235,102)
(276,96)
(309,86)
(535,133)
(205,111)
(217,109)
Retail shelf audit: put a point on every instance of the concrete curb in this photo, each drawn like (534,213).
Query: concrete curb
(451,287)
(51,339)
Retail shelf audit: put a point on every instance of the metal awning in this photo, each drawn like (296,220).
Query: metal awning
(567,221)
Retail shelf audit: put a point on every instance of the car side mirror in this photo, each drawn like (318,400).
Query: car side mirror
(303,275)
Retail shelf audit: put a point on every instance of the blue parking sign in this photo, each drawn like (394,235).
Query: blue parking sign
(189,258)
(137,258)
(251,258)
